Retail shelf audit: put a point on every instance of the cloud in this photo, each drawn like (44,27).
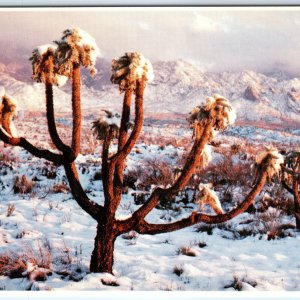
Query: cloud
(215,39)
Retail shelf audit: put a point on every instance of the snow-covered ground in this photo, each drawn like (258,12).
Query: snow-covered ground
(48,224)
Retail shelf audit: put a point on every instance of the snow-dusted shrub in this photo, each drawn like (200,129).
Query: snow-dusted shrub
(23,185)
(10,209)
(35,265)
(188,251)
(230,172)
(130,68)
(178,270)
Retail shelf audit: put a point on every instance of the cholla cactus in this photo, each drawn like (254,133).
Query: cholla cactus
(43,68)
(209,197)
(217,108)
(76,47)
(110,122)
(129,68)
(8,110)
(274,163)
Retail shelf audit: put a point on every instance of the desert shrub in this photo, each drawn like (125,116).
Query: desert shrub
(178,270)
(10,209)
(229,172)
(237,283)
(156,172)
(271,224)
(35,265)
(23,185)
(188,251)
(60,188)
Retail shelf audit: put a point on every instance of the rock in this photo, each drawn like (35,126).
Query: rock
(251,93)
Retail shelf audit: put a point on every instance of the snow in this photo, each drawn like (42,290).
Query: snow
(42,49)
(83,40)
(275,163)
(143,263)
(138,67)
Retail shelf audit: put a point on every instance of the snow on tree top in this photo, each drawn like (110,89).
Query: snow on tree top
(129,68)
(43,49)
(78,46)
(275,162)
(108,123)
(217,108)
(39,69)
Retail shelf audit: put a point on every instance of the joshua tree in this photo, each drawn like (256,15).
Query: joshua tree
(131,72)
(291,180)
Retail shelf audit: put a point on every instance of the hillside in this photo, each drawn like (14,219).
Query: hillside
(177,88)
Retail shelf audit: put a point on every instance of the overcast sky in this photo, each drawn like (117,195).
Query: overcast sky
(214,39)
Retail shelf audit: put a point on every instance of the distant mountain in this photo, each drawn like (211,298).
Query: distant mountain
(177,88)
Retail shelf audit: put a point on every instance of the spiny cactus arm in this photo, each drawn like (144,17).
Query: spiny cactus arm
(138,125)
(107,170)
(95,210)
(144,227)
(59,144)
(123,136)
(22,142)
(76,110)
(182,180)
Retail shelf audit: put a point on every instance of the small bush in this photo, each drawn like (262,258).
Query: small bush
(23,185)
(178,270)
(10,210)
(188,251)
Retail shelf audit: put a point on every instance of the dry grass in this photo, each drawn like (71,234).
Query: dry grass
(10,210)
(35,265)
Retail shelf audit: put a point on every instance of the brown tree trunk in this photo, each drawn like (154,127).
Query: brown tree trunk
(102,259)
(296,201)
(76,109)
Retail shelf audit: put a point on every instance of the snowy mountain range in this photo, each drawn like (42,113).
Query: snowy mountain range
(178,87)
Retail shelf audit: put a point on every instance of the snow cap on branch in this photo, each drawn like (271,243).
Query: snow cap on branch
(129,68)
(43,67)
(210,198)
(109,122)
(217,108)
(274,163)
(79,47)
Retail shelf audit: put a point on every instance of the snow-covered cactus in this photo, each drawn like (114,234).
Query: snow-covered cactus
(8,110)
(217,108)
(130,68)
(273,159)
(108,123)
(205,157)
(43,65)
(209,197)
(76,47)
